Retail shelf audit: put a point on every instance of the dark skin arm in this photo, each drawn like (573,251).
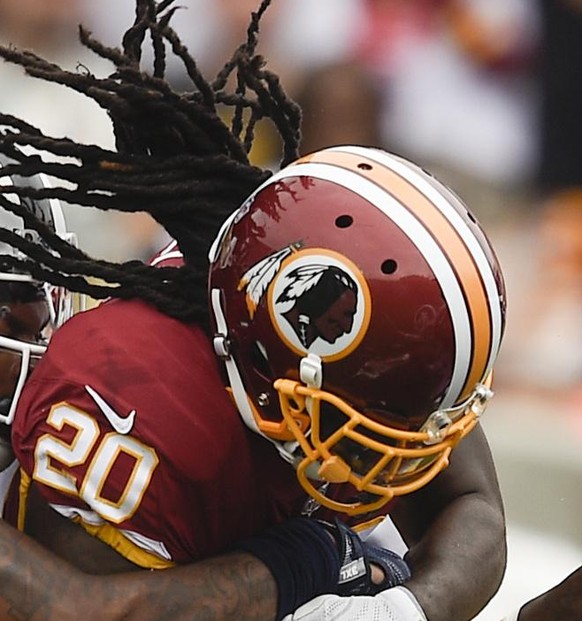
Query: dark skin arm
(69,541)
(562,603)
(455,528)
(35,585)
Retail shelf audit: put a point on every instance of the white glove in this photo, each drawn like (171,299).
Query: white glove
(396,604)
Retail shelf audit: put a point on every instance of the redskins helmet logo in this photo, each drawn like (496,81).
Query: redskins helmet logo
(318,300)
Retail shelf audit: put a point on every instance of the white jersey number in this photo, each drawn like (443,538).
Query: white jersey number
(53,456)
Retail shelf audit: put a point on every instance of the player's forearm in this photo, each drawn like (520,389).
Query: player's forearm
(35,585)
(464,555)
(235,586)
(455,528)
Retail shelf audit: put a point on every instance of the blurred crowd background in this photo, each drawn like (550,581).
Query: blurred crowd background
(487,94)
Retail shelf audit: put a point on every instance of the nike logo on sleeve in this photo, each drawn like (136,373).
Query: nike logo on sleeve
(121,424)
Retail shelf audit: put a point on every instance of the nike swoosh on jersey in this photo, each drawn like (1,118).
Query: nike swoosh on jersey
(121,424)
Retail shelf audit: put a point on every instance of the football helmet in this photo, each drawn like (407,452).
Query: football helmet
(358,308)
(18,286)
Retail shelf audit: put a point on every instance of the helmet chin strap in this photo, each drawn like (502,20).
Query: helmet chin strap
(311,374)
(311,371)
(222,350)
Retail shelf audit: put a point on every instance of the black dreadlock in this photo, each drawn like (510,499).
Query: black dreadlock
(175,158)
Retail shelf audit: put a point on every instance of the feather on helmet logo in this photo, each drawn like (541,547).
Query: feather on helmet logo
(318,300)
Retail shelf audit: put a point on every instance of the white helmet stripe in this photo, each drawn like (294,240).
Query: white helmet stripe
(422,182)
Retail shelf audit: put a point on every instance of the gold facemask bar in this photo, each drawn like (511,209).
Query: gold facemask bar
(407,461)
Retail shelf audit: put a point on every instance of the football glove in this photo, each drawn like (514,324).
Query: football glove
(356,557)
(397,604)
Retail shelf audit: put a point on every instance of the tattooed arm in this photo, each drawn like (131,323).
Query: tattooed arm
(37,585)
(54,579)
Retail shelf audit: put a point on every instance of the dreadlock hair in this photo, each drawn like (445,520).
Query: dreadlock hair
(175,158)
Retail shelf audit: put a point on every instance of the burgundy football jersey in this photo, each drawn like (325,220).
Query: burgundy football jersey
(126,427)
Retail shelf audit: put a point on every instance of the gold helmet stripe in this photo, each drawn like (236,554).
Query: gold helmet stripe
(417,192)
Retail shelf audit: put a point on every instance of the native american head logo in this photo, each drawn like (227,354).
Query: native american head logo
(318,300)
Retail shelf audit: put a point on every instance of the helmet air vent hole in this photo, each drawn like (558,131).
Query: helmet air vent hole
(343,222)
(364,166)
(389,266)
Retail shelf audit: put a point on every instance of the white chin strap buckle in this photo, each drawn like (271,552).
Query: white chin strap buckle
(221,346)
(310,371)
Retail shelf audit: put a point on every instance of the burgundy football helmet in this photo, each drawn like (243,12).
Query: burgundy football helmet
(358,308)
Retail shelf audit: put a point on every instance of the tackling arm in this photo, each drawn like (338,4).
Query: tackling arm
(214,589)
(36,585)
(455,529)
